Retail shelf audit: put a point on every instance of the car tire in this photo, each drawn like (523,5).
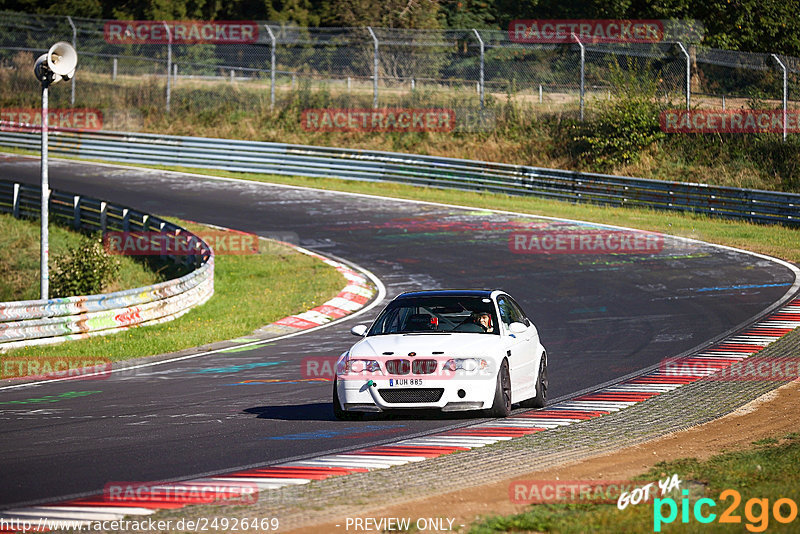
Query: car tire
(340,413)
(501,406)
(542,383)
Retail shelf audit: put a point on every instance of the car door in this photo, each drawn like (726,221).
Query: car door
(530,346)
(515,347)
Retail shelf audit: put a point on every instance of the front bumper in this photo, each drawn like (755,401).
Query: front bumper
(380,394)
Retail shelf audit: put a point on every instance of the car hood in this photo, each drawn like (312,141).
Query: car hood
(456,345)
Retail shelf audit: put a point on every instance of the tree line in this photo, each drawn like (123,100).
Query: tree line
(771,26)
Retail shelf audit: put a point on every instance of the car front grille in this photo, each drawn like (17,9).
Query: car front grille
(411,395)
(398,367)
(417,367)
(423,367)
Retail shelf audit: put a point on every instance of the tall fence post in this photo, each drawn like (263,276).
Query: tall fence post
(169,62)
(583,69)
(785,94)
(75,46)
(688,75)
(44,245)
(478,35)
(374,69)
(271,68)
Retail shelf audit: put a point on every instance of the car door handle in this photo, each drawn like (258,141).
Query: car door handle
(508,353)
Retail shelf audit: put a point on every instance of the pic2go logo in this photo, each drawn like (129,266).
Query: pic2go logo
(758,521)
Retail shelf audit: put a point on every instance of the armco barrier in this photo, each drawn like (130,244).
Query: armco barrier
(41,322)
(432,171)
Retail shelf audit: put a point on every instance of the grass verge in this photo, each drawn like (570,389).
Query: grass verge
(19,260)
(765,473)
(249,292)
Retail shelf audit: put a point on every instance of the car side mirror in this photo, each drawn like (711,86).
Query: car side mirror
(359,330)
(517,328)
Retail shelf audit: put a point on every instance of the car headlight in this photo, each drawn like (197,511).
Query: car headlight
(358,366)
(466,364)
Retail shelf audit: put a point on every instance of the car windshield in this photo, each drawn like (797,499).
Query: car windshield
(437,314)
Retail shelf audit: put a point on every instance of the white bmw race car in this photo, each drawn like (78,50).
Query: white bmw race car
(450,350)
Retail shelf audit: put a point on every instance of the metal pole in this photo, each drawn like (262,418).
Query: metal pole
(75,46)
(271,69)
(688,75)
(374,69)
(169,62)
(478,35)
(583,69)
(44,278)
(114,71)
(785,94)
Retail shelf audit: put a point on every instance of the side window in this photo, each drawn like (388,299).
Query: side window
(520,315)
(506,314)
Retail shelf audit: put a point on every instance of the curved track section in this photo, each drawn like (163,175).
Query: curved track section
(601,316)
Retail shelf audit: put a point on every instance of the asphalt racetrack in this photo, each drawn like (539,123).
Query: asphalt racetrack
(600,315)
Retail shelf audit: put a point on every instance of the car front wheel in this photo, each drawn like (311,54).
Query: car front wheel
(540,400)
(501,407)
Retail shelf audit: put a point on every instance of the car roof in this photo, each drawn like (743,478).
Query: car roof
(484,293)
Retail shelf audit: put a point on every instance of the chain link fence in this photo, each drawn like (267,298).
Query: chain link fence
(285,66)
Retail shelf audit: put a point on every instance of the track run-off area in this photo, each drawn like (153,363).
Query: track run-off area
(601,316)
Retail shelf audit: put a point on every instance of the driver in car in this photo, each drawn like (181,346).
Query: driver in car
(484,320)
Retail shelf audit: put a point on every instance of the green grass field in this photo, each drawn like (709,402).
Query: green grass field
(249,291)
(19,260)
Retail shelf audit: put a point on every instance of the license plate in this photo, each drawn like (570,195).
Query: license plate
(403,382)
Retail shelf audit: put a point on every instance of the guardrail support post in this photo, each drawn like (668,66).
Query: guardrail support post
(478,35)
(583,69)
(103,217)
(126,220)
(15,202)
(785,94)
(688,75)
(272,69)
(75,46)
(169,62)
(76,211)
(114,70)
(374,69)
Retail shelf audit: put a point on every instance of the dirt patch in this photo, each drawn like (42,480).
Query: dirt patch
(771,415)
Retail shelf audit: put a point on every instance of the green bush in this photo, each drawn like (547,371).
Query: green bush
(84,269)
(618,131)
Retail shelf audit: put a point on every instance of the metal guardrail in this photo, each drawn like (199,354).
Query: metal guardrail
(431,171)
(41,322)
